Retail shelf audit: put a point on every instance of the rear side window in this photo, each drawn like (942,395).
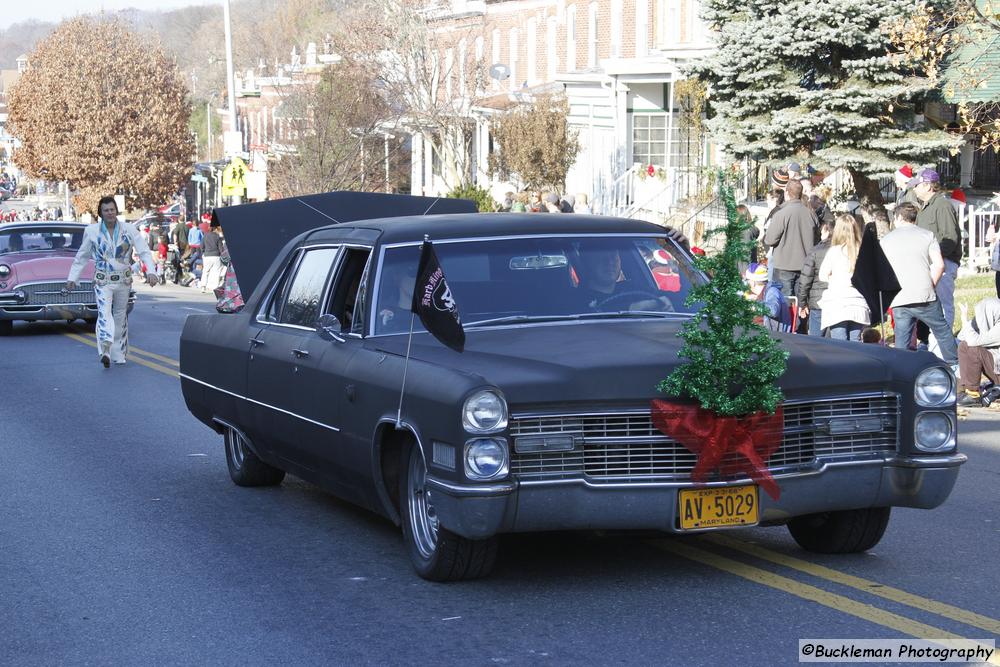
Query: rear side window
(303,297)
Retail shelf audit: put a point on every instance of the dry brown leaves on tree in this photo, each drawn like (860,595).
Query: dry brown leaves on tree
(104,110)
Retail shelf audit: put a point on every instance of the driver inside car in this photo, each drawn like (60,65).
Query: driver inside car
(604,287)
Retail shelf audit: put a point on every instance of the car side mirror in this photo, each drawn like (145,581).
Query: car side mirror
(329,328)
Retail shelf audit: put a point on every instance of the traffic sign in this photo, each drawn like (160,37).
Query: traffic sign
(234,178)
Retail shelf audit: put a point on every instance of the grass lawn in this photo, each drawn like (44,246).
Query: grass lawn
(971,290)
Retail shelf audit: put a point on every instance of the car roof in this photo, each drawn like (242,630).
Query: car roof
(481,225)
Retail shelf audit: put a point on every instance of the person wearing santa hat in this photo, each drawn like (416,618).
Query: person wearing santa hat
(905,182)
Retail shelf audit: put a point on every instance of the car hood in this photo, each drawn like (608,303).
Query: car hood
(42,266)
(623,361)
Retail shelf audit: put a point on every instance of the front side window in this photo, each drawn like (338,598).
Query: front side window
(533,279)
(300,302)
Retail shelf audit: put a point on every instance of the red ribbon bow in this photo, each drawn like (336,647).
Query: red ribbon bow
(730,445)
(650,169)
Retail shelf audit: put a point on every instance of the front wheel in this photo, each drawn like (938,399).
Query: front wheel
(436,553)
(245,468)
(843,532)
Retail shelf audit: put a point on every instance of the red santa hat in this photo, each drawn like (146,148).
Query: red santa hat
(906,170)
(958,195)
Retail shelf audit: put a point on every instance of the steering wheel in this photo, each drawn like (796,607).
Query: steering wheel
(630,297)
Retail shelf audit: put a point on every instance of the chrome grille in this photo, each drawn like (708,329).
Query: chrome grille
(41,294)
(625,446)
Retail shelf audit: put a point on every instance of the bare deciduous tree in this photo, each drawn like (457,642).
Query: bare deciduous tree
(537,145)
(340,143)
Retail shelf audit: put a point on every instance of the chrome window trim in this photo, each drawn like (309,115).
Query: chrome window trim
(184,376)
(293,268)
(336,276)
(370,325)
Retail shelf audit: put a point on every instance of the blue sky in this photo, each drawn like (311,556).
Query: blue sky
(55,10)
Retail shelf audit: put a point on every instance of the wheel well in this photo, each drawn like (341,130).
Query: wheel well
(391,444)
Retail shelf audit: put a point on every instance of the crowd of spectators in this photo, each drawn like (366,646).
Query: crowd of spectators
(813,258)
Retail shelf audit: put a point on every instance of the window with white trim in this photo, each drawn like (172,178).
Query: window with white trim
(551,56)
(616,28)
(532,74)
(641,28)
(649,144)
(592,35)
(513,58)
(571,38)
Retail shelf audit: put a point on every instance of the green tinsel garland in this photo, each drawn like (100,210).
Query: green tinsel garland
(732,362)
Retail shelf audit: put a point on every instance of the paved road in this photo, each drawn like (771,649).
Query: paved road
(122,541)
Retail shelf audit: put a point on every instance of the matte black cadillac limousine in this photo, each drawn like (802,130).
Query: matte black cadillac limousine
(543,422)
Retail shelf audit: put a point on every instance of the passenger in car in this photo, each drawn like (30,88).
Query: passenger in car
(396,298)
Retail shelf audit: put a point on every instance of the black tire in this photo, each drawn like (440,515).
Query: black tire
(437,554)
(90,324)
(843,532)
(245,468)
(6,327)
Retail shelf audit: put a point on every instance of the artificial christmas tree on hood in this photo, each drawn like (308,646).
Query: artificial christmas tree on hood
(731,370)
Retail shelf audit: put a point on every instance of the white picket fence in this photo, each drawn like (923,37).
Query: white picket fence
(977,224)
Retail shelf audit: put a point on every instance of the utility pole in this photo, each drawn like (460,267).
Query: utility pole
(208,114)
(230,82)
(231,86)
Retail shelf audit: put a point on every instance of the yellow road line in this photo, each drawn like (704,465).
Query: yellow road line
(965,616)
(135,359)
(136,350)
(840,603)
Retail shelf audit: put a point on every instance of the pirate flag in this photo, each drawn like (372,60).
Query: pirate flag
(433,303)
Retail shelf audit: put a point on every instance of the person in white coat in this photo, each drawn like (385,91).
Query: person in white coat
(110,243)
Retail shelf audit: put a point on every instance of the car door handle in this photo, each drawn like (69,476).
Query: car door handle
(255,342)
(300,354)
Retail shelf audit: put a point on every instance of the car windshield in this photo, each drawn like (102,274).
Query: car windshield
(500,281)
(40,239)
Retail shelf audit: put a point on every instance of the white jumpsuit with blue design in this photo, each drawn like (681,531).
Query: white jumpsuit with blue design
(112,254)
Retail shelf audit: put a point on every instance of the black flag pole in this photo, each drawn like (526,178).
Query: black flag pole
(435,305)
(406,364)
(406,360)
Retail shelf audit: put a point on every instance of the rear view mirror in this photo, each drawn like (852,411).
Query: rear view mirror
(329,328)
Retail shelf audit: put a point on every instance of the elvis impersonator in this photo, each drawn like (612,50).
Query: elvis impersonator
(110,244)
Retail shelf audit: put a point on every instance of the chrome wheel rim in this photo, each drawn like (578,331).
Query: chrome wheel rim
(237,448)
(423,518)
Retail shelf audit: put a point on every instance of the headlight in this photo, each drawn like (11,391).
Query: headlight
(4,271)
(486,458)
(934,431)
(484,412)
(935,386)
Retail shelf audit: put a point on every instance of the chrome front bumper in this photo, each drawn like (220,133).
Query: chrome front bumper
(479,511)
(67,311)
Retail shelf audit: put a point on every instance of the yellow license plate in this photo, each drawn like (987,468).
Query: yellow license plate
(716,507)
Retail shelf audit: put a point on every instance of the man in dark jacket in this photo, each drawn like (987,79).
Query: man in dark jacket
(792,233)
(938,216)
(810,289)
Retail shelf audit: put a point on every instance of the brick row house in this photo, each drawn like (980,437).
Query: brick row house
(616,61)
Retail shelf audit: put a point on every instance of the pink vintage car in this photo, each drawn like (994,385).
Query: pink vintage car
(34,262)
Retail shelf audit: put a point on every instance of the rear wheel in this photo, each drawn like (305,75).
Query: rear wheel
(843,532)
(436,553)
(6,327)
(90,323)
(245,468)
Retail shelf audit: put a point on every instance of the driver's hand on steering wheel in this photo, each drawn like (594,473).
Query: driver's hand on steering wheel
(659,304)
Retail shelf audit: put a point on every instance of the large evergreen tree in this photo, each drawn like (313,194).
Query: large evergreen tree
(824,82)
